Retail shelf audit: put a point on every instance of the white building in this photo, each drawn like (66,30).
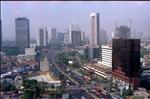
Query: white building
(95,27)
(106,56)
(30,51)
(43,36)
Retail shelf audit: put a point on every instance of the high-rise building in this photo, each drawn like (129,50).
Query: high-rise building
(22,32)
(46,36)
(54,34)
(66,37)
(103,37)
(123,32)
(43,36)
(95,29)
(61,37)
(126,61)
(75,35)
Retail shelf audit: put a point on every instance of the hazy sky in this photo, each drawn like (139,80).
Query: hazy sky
(60,14)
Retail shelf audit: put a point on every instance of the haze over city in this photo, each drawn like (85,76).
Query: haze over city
(60,14)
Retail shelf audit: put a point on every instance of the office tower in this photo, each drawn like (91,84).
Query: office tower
(66,37)
(75,35)
(82,36)
(46,36)
(22,32)
(61,37)
(53,34)
(126,61)
(95,27)
(41,37)
(123,32)
(106,56)
(103,37)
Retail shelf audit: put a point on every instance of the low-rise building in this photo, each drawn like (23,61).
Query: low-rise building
(106,56)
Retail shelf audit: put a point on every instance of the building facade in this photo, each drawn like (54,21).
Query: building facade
(22,32)
(95,29)
(106,56)
(123,32)
(75,35)
(126,61)
(103,37)
(43,36)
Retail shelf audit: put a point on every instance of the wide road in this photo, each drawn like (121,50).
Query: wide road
(51,55)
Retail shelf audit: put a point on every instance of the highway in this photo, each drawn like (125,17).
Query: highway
(70,75)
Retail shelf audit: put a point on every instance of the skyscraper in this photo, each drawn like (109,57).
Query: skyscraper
(43,36)
(46,36)
(95,29)
(53,34)
(103,37)
(66,37)
(75,35)
(126,61)
(123,32)
(22,32)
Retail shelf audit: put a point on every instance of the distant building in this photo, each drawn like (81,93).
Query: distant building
(103,37)
(123,32)
(61,37)
(126,61)
(75,35)
(53,35)
(66,38)
(95,27)
(46,36)
(43,37)
(107,56)
(22,33)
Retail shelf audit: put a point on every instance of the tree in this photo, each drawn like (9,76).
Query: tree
(7,86)
(32,87)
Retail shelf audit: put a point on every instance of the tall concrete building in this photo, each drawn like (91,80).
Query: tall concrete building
(66,37)
(126,62)
(103,37)
(54,34)
(43,36)
(22,32)
(95,29)
(75,35)
(46,36)
(123,32)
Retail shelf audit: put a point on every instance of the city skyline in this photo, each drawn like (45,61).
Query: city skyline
(60,14)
